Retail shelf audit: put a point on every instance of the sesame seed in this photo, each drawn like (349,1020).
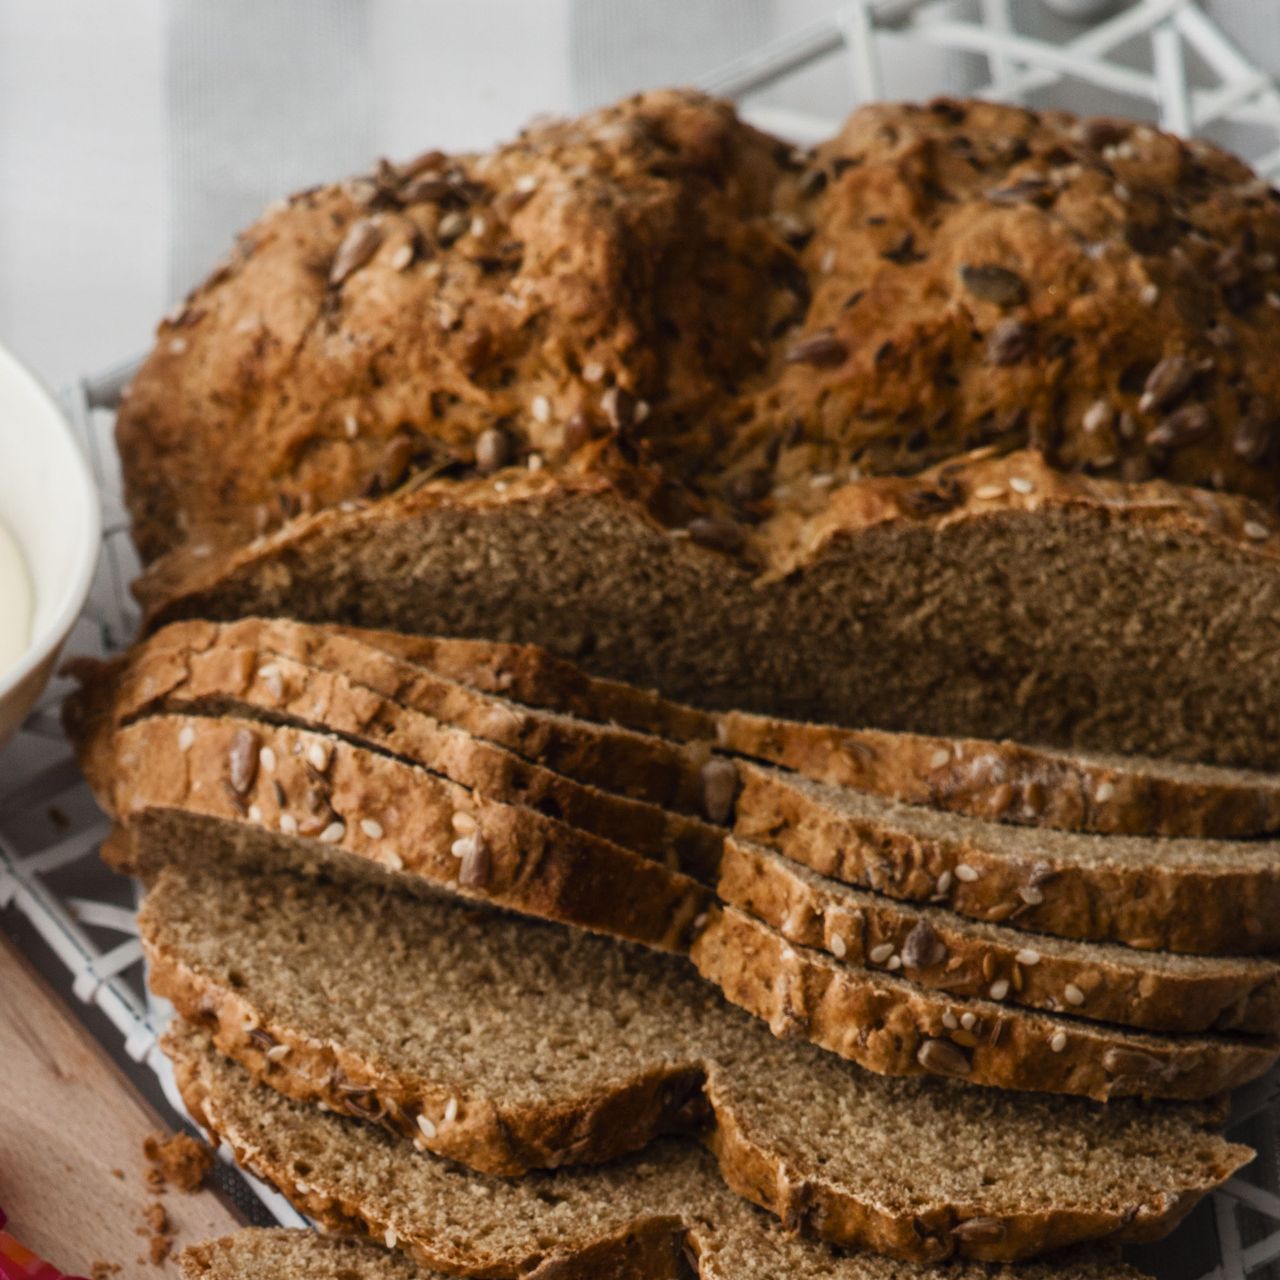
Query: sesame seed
(277,1052)
(1096,416)
(526,183)
(986,492)
(1020,484)
(1149,295)
(318,756)
(271,677)
(788,953)
(700,919)
(593,371)
(463,847)
(186,738)
(839,948)
(895,963)
(535,462)
(999,989)
(1074,994)
(372,828)
(255,813)
(950,1021)
(352,426)
(1027,957)
(333,833)
(641,411)
(288,824)
(939,758)
(1255,530)
(823,480)
(944,882)
(968,1021)
(827,264)
(451,1111)
(1058,1042)
(880,953)
(463,823)
(393,859)
(177,346)
(390,1237)
(267,759)
(1031,894)
(428,1129)
(402,256)
(478,226)
(540,407)
(966,873)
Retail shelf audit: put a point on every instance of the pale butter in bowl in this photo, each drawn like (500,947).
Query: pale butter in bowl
(49,538)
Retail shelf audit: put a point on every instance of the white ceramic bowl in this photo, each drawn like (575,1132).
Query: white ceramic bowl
(48,501)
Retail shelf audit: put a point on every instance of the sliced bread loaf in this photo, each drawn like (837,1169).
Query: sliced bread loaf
(1010,782)
(639,765)
(886,1023)
(639,1216)
(261,685)
(1202,896)
(217,789)
(526,1046)
(1155,990)
(276,1254)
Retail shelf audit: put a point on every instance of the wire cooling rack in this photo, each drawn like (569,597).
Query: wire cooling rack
(1162,60)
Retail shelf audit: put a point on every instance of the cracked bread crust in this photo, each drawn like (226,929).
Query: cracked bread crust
(935,566)
(936,948)
(890,1025)
(199,788)
(1225,905)
(661,296)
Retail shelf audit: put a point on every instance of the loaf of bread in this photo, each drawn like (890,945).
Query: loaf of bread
(748,425)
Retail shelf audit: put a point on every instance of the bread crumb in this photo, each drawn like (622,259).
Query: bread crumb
(100,1270)
(161,1232)
(176,1161)
(118,1173)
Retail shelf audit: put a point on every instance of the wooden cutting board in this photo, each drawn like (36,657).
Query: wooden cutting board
(68,1120)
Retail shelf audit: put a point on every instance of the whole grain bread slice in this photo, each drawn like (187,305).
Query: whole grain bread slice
(639,765)
(226,789)
(1153,990)
(274,1253)
(1209,897)
(640,1216)
(1131,619)
(886,1023)
(255,683)
(1005,781)
(524,1046)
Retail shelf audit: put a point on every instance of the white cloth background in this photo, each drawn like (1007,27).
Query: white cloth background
(136,136)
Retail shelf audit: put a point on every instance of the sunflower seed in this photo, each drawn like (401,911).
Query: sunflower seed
(358,246)
(942,1058)
(822,349)
(719,789)
(990,283)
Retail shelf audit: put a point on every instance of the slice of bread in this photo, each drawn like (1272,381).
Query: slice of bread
(1154,990)
(638,1216)
(888,1024)
(1211,897)
(263,685)
(638,765)
(1005,781)
(225,789)
(509,1046)
(276,1254)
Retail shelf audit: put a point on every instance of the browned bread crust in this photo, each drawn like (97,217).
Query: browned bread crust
(675,1183)
(733,317)
(1216,898)
(202,788)
(1133,619)
(888,1024)
(1158,991)
(1012,782)
(260,684)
